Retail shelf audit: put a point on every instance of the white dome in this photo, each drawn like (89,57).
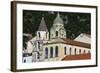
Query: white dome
(58,20)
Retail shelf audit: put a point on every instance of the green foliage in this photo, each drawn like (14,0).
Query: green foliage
(74,23)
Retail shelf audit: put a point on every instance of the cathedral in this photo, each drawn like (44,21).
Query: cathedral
(54,45)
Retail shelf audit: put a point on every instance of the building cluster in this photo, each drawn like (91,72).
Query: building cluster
(54,45)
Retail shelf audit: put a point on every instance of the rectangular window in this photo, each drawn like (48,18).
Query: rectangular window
(70,50)
(75,51)
(38,56)
(64,50)
(51,52)
(39,45)
(56,51)
(46,53)
(39,34)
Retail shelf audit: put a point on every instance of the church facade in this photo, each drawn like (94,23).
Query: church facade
(54,45)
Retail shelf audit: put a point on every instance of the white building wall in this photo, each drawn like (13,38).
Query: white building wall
(34,56)
(29,47)
(27,59)
(52,33)
(43,35)
(87,50)
(86,38)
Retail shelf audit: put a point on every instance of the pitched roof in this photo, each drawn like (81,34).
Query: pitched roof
(77,57)
(42,26)
(70,42)
(83,37)
(77,43)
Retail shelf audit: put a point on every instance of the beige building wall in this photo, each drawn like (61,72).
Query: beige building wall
(43,35)
(61,51)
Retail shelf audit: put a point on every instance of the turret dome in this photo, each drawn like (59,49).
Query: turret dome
(58,19)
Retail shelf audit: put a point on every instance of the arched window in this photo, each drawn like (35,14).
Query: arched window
(24,60)
(46,53)
(88,52)
(38,56)
(64,50)
(46,35)
(57,33)
(56,51)
(70,50)
(84,52)
(79,51)
(39,45)
(51,52)
(75,51)
(39,34)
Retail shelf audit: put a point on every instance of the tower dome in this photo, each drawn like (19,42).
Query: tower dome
(58,19)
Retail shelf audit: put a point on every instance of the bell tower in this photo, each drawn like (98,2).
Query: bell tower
(58,30)
(42,33)
(42,37)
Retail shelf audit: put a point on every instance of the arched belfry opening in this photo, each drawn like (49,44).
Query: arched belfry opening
(58,29)
(56,33)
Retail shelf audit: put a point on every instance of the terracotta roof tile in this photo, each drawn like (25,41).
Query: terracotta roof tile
(71,42)
(76,43)
(77,57)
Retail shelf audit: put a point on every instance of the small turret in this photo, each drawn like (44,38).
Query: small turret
(42,33)
(58,19)
(58,30)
